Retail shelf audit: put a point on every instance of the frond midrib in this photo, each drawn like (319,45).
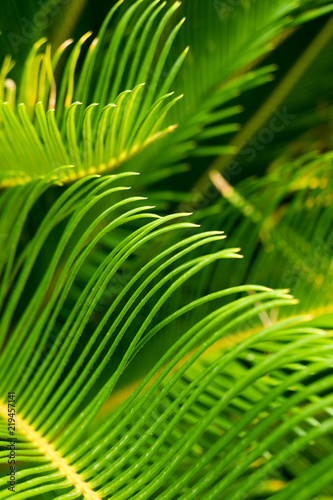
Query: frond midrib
(52,454)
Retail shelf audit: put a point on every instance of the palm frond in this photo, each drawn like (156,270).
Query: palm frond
(224,61)
(175,424)
(287,217)
(144,362)
(111,124)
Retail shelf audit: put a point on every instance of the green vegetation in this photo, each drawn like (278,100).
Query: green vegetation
(166,299)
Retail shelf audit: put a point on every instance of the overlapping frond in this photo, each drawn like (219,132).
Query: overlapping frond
(109,70)
(286,217)
(145,366)
(181,431)
(98,115)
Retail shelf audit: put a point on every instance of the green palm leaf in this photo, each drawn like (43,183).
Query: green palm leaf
(111,129)
(45,361)
(137,359)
